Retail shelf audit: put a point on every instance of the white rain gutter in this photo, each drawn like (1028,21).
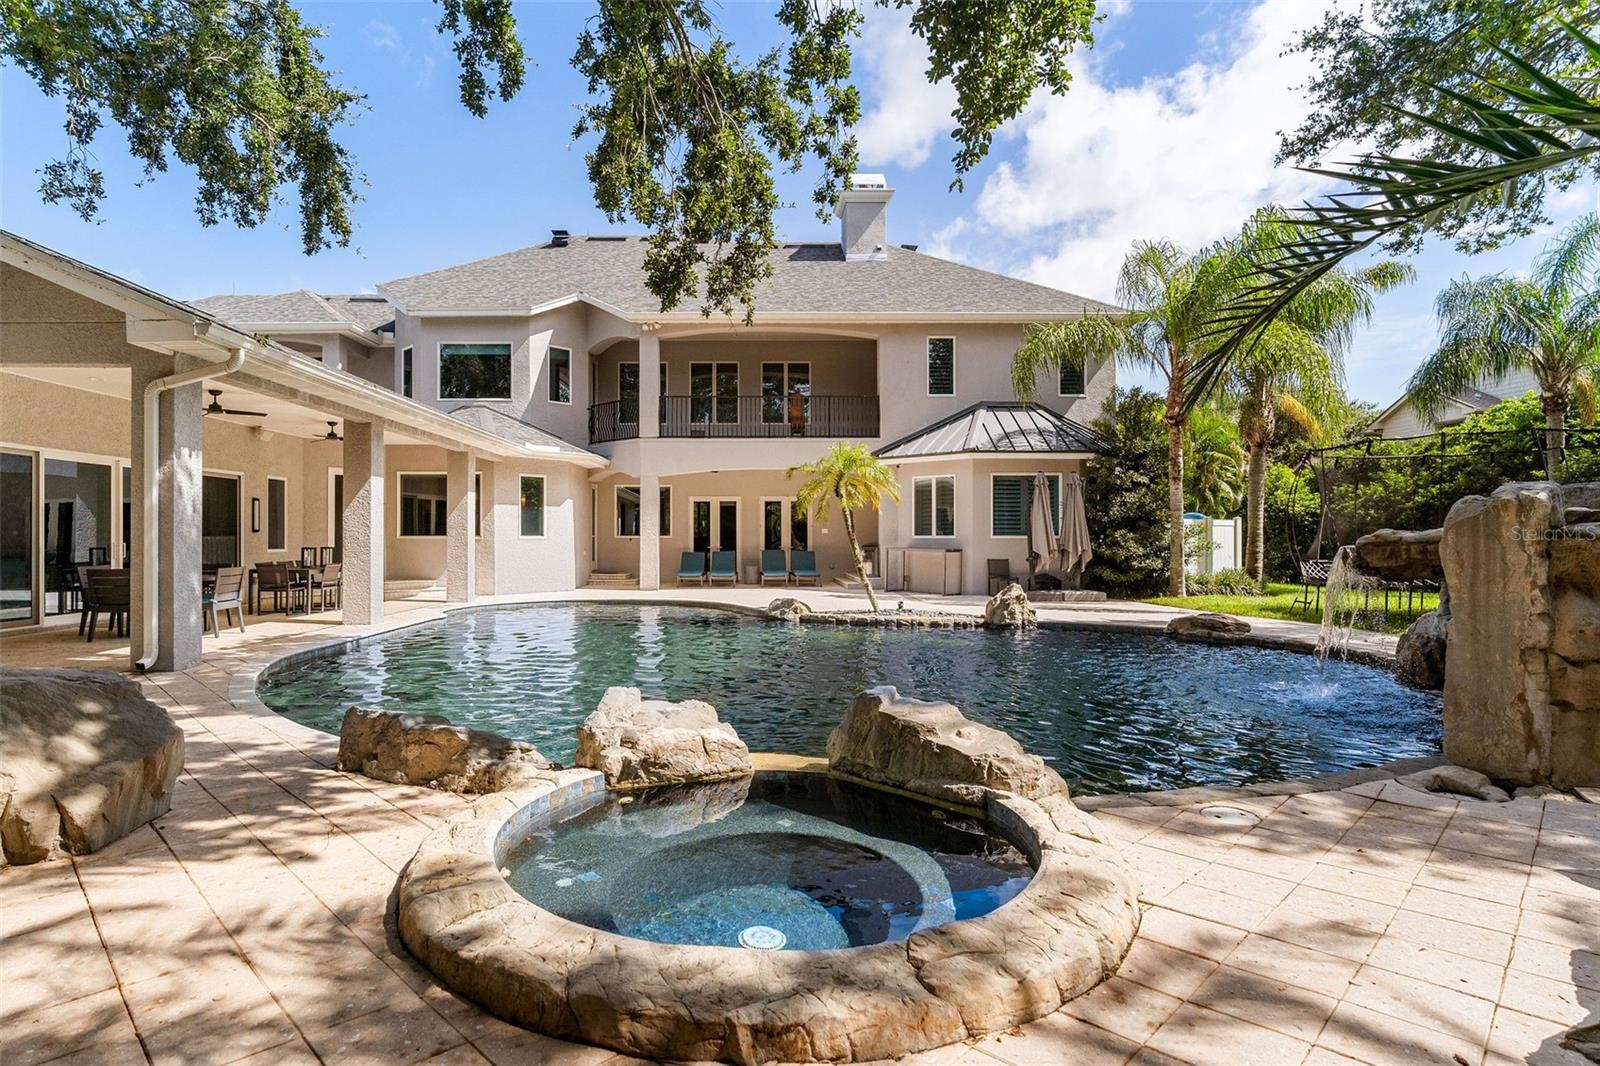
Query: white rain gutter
(151,554)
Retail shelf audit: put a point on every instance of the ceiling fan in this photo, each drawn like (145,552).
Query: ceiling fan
(215,407)
(333,431)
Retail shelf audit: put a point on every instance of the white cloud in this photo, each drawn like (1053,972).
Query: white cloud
(910,114)
(383,35)
(1186,155)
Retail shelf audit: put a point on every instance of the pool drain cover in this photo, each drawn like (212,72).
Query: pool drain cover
(1230,815)
(762,938)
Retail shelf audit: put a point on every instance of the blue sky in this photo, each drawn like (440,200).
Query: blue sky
(1169,130)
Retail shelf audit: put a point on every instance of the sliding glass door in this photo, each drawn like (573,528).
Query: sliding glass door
(219,520)
(77,526)
(18,595)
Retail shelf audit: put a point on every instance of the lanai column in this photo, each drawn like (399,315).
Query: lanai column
(486,542)
(649,381)
(178,485)
(363,522)
(649,531)
(461,554)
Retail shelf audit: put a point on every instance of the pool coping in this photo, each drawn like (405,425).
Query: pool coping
(1064,933)
(261,664)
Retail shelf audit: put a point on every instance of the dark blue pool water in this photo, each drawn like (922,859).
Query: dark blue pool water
(1111,711)
(811,862)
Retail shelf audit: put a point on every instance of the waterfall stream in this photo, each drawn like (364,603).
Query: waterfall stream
(1344,602)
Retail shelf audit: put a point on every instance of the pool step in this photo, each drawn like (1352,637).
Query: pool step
(405,590)
(603,580)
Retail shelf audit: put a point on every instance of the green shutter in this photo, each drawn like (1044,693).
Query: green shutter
(1071,380)
(941,366)
(1010,506)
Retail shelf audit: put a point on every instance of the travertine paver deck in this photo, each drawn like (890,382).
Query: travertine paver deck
(1374,924)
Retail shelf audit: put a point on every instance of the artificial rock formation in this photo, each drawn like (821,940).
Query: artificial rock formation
(1399,555)
(934,750)
(1522,674)
(1009,609)
(85,759)
(1419,654)
(425,749)
(1208,626)
(1455,781)
(637,742)
(787,609)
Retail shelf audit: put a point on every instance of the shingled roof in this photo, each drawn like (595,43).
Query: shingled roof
(490,420)
(999,429)
(302,307)
(808,279)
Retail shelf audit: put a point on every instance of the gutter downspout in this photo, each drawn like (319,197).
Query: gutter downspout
(151,554)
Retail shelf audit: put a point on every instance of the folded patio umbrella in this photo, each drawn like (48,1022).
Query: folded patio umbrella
(1044,551)
(1075,549)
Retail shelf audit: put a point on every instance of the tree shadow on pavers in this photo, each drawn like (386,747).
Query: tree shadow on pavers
(1577,922)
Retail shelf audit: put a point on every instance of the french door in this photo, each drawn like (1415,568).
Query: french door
(714,525)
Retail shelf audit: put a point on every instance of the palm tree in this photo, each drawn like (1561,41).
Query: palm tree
(852,475)
(1295,368)
(1544,120)
(1173,296)
(1214,464)
(1548,324)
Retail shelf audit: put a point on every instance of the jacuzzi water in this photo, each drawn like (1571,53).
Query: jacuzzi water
(822,863)
(1110,711)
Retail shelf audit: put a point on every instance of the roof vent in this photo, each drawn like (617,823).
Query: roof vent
(559,238)
(909,247)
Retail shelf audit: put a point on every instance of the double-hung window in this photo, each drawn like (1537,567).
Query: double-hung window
(475,371)
(1011,504)
(560,386)
(941,366)
(933,506)
(531,504)
(405,372)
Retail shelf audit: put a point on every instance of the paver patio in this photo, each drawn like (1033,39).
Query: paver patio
(1370,924)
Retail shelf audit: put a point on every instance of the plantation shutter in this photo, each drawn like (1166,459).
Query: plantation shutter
(941,366)
(1054,482)
(944,507)
(1009,506)
(922,525)
(1071,380)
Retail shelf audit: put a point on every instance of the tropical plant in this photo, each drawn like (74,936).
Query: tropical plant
(1213,464)
(1542,119)
(1125,497)
(1372,65)
(1548,325)
(689,133)
(1172,296)
(852,476)
(1294,373)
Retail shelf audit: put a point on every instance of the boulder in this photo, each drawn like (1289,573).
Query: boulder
(787,609)
(1419,654)
(425,749)
(1009,609)
(1208,626)
(1399,555)
(1455,781)
(85,760)
(932,749)
(637,742)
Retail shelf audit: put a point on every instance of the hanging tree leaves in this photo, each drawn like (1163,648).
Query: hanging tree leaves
(688,134)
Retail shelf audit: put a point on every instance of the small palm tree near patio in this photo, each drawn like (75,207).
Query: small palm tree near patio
(1548,324)
(851,475)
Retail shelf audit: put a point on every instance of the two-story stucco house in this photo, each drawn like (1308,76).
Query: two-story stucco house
(527,422)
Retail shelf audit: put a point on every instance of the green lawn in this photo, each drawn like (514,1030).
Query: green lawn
(1278,602)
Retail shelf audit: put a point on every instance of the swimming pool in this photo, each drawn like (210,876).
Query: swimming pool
(1110,711)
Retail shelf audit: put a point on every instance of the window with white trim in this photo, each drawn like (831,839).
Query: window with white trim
(1070,380)
(941,366)
(1011,504)
(933,502)
(560,363)
(475,371)
(277,514)
(531,504)
(423,505)
(628,510)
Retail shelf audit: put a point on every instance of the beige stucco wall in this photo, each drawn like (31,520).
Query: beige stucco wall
(973,505)
(618,554)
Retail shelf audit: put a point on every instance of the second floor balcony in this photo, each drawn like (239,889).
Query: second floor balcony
(794,415)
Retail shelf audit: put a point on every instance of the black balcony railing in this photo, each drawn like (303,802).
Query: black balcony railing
(741,416)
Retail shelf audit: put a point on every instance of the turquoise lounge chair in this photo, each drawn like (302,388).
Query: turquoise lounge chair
(725,567)
(803,567)
(773,566)
(692,567)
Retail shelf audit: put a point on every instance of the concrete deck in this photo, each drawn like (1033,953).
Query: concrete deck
(252,923)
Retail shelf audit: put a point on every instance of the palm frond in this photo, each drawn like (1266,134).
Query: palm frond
(1051,345)
(1566,268)
(1551,120)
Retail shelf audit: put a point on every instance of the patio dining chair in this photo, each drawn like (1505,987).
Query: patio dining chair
(803,566)
(277,579)
(725,567)
(112,596)
(1313,575)
(692,567)
(999,574)
(328,583)
(774,566)
(86,599)
(226,596)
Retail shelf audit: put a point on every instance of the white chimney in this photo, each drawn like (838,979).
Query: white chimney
(864,217)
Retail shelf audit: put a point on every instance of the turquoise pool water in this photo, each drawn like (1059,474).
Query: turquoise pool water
(1111,711)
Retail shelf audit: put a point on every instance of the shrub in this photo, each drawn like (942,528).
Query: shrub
(1223,583)
(1126,497)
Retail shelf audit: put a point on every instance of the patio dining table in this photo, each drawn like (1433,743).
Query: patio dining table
(299,577)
